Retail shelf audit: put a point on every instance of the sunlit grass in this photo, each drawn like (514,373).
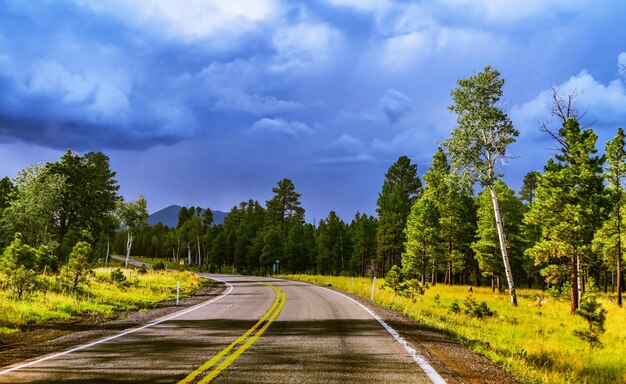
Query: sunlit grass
(101,297)
(534,342)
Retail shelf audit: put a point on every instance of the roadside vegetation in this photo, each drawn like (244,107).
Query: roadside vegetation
(535,341)
(103,293)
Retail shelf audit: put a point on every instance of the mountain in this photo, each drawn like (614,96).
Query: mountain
(169,216)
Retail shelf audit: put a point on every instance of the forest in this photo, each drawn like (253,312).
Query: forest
(455,222)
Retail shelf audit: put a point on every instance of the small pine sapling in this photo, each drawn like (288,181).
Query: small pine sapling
(591,310)
(394,280)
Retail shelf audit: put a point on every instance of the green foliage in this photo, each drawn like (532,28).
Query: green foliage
(117,276)
(591,310)
(158,266)
(423,233)
(487,244)
(475,309)
(529,187)
(484,131)
(78,267)
(394,280)
(412,288)
(400,189)
(454,307)
(143,270)
(21,280)
(569,205)
(334,247)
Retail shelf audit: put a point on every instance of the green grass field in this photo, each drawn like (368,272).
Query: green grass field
(534,342)
(100,297)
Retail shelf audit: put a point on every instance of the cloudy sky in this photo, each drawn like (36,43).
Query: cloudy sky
(209,102)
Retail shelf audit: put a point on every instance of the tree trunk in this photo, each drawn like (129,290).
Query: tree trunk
(188,255)
(619,258)
(573,280)
(433,279)
(501,236)
(106,258)
(129,245)
(579,279)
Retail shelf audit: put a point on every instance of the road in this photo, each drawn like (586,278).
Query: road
(258,331)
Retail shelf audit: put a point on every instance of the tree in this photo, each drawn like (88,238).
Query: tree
(615,173)
(33,203)
(78,266)
(424,244)
(479,142)
(399,192)
(529,188)
(595,315)
(90,194)
(363,230)
(569,207)
(284,208)
(133,215)
(17,263)
(486,245)
(334,248)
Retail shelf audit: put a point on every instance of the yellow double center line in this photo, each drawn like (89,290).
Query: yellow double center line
(266,320)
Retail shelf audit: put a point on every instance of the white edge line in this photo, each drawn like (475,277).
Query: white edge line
(434,376)
(159,321)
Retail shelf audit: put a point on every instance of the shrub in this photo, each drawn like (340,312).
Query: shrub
(478,310)
(22,280)
(158,266)
(595,315)
(117,276)
(143,270)
(454,307)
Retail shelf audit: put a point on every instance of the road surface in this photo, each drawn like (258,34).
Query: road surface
(258,331)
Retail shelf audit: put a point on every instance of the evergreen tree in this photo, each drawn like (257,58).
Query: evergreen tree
(480,140)
(569,207)
(615,173)
(486,245)
(399,192)
(529,188)
(423,245)
(363,230)
(334,248)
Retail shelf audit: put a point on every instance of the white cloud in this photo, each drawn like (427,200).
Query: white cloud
(278,125)
(103,101)
(621,63)
(603,102)
(304,45)
(191,19)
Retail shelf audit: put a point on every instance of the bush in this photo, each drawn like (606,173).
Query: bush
(143,270)
(21,281)
(454,307)
(117,276)
(478,310)
(595,316)
(158,266)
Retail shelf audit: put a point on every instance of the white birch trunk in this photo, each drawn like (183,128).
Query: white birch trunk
(106,258)
(580,279)
(188,255)
(502,238)
(129,244)
(199,254)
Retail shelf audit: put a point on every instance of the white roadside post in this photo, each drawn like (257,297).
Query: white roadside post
(177,292)
(373,287)
(353,281)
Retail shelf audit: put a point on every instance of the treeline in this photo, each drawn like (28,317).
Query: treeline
(563,230)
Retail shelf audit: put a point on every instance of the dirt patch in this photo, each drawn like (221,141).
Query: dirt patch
(453,361)
(47,338)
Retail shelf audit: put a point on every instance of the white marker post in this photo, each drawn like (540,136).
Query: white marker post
(373,287)
(177,292)
(353,281)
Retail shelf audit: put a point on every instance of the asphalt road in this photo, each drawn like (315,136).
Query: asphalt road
(258,331)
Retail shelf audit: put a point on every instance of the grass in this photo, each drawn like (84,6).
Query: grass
(100,297)
(534,342)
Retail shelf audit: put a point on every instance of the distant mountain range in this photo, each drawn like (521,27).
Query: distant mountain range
(169,216)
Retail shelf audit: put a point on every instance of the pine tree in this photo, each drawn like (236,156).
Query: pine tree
(399,192)
(615,173)
(423,245)
(486,245)
(569,207)
(480,140)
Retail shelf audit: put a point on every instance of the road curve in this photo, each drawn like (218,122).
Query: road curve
(308,334)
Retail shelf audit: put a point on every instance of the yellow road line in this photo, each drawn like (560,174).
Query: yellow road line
(204,367)
(229,360)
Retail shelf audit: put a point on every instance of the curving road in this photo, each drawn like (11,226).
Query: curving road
(258,331)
